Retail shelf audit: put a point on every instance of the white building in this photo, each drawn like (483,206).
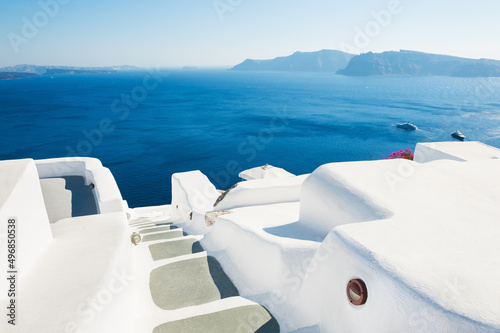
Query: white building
(414,243)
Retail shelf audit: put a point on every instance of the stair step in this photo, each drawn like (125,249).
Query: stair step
(150,230)
(190,282)
(154,225)
(144,226)
(148,221)
(139,220)
(163,235)
(250,318)
(173,249)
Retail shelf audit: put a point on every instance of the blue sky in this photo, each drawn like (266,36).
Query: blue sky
(170,33)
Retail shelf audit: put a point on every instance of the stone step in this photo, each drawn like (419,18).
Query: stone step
(153,229)
(146,221)
(250,318)
(139,220)
(153,225)
(192,290)
(163,235)
(143,226)
(176,248)
(190,282)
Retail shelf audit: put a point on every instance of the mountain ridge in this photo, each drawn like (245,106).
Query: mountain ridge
(388,63)
(415,63)
(318,61)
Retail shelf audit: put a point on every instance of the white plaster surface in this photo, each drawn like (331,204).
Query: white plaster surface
(263,191)
(455,150)
(423,235)
(107,194)
(84,280)
(329,199)
(21,198)
(265,172)
(439,245)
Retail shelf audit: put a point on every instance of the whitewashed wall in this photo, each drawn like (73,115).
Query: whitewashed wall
(106,191)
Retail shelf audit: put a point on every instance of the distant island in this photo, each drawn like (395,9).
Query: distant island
(410,63)
(58,71)
(319,61)
(25,71)
(419,63)
(14,75)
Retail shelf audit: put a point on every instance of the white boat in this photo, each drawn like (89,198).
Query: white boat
(458,135)
(407,126)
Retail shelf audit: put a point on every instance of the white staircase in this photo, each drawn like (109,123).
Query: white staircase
(181,288)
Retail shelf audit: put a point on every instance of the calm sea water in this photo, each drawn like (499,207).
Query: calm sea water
(145,127)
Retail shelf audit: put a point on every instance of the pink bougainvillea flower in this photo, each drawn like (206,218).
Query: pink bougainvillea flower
(405,154)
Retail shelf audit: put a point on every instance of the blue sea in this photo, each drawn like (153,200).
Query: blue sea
(147,125)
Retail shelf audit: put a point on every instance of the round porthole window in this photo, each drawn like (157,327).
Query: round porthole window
(357,292)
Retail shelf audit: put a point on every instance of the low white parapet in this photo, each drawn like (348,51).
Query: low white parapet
(76,275)
(107,194)
(84,281)
(21,200)
(455,151)
(263,192)
(425,265)
(328,199)
(265,268)
(193,195)
(393,305)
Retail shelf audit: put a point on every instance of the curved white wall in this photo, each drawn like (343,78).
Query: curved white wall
(193,195)
(327,200)
(81,279)
(106,191)
(21,198)
(263,192)
(455,151)
(265,268)
(392,306)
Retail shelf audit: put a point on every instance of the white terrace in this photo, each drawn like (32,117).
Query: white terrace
(272,255)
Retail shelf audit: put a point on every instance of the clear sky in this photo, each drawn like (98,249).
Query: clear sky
(225,32)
